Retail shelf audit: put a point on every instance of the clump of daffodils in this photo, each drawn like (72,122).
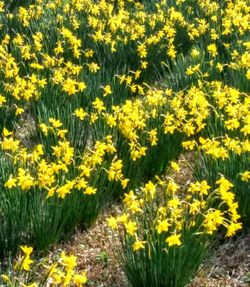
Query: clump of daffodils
(163,224)
(60,271)
(175,210)
(36,170)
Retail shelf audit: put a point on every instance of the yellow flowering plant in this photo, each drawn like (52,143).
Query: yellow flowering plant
(166,229)
(59,189)
(234,164)
(54,270)
(223,146)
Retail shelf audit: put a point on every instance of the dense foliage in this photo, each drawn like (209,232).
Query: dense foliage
(97,98)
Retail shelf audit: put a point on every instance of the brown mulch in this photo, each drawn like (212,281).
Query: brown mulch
(229,266)
(95,250)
